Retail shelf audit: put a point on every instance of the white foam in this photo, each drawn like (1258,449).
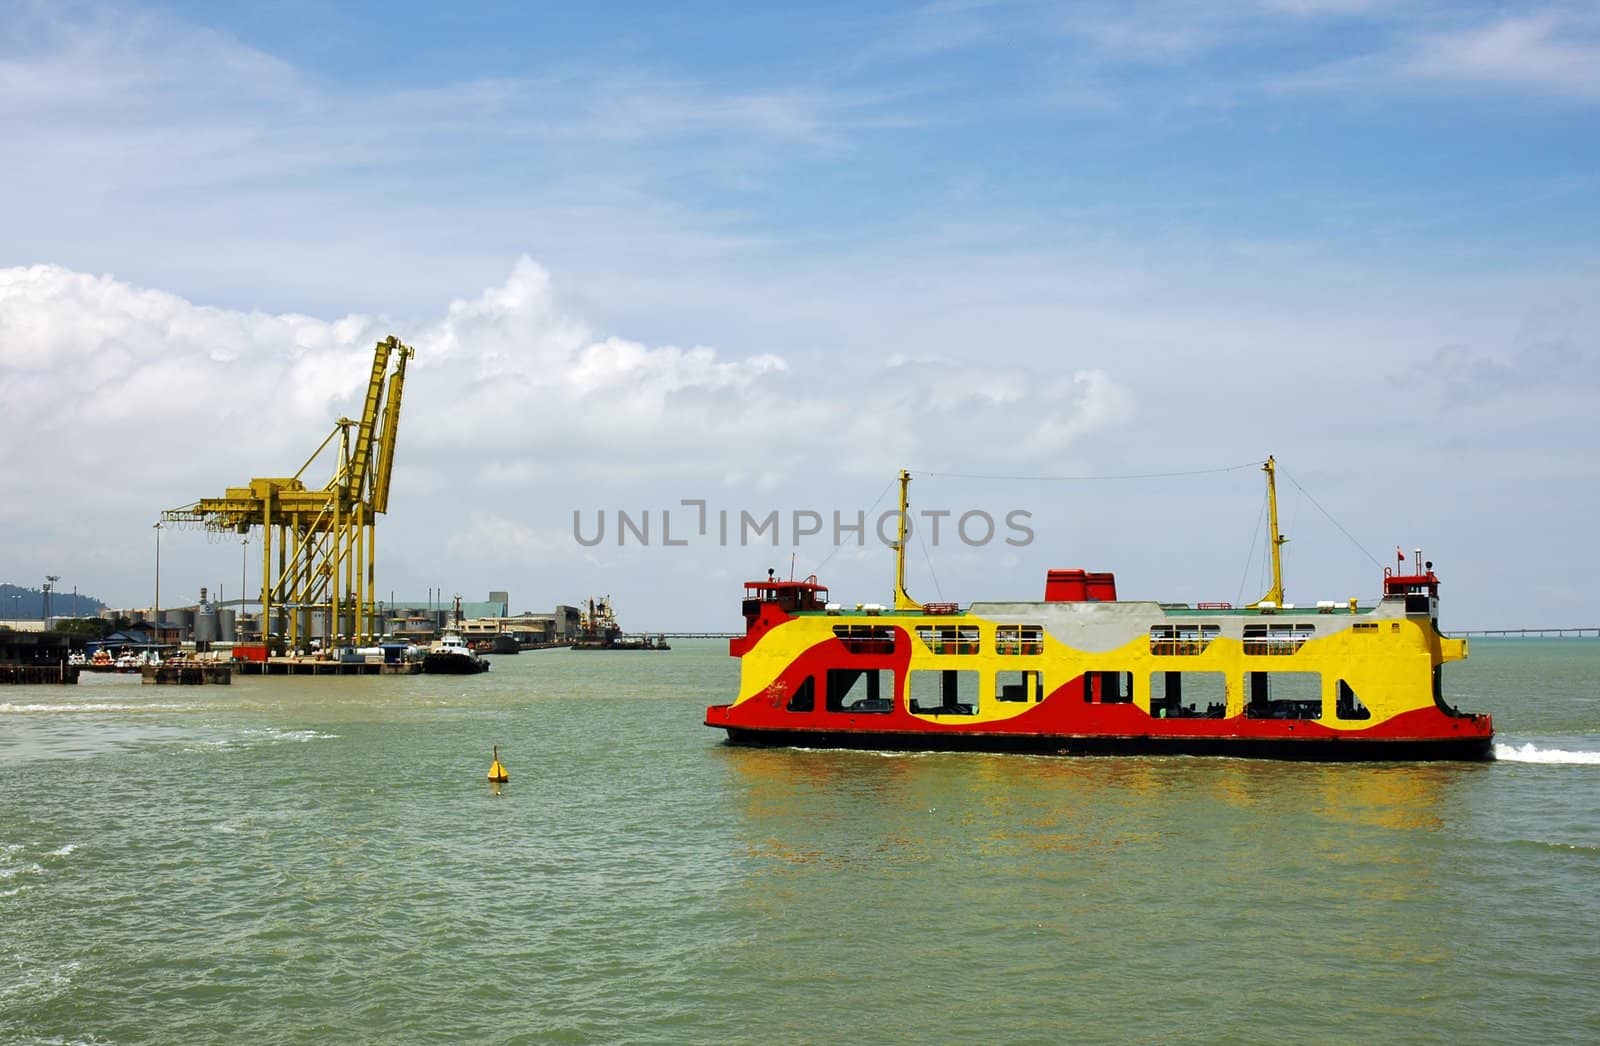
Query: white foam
(64,851)
(270,736)
(1530,753)
(305,735)
(7,707)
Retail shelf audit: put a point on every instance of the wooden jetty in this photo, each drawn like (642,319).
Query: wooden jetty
(59,673)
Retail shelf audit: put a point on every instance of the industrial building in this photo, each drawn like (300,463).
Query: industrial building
(418,621)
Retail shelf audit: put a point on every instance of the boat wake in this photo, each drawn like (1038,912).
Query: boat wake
(1530,753)
(11,708)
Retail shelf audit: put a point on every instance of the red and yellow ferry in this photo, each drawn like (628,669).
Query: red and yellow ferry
(1083,672)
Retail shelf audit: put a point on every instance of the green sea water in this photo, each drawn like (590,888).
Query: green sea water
(316,860)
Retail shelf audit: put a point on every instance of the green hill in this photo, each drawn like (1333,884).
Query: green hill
(23,604)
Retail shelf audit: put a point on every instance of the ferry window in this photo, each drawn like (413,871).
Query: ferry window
(804,698)
(949,639)
(943,692)
(866,639)
(1019,639)
(1188,695)
(1182,639)
(1348,705)
(1108,688)
(1276,639)
(1283,695)
(860,690)
(1365,626)
(1019,686)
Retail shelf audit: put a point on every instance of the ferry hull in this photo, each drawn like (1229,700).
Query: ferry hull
(1307,749)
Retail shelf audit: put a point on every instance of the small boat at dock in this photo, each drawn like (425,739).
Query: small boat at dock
(451,655)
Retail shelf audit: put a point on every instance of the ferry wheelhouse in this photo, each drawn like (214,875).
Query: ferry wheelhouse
(1083,672)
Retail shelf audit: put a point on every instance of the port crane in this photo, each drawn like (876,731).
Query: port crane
(318,546)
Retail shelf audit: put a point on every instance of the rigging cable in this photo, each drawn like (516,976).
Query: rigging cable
(1085,479)
(1330,518)
(938,590)
(837,546)
(1244,575)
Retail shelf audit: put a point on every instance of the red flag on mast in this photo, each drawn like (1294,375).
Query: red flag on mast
(1400,557)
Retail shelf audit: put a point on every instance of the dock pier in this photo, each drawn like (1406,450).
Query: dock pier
(60,673)
(293,666)
(219,674)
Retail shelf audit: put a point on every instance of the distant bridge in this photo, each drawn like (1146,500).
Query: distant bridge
(1524,632)
(692,635)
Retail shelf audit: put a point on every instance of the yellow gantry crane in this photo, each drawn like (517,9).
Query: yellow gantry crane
(318,544)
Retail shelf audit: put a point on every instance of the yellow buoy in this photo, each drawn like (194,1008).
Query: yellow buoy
(497,770)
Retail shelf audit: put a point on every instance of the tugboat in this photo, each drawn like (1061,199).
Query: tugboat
(450,654)
(1083,672)
(598,630)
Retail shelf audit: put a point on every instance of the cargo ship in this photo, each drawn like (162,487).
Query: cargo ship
(1082,672)
(598,630)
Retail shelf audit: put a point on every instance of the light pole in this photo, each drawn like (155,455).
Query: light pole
(244,560)
(156,612)
(49,584)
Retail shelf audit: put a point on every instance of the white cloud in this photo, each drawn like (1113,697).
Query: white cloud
(117,402)
(1554,52)
(1550,51)
(510,541)
(1090,401)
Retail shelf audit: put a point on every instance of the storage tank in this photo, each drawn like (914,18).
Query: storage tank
(179,619)
(205,620)
(227,631)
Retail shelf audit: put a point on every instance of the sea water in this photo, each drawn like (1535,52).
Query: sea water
(298,860)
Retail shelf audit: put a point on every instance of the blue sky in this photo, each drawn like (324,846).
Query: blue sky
(1357,125)
(1086,239)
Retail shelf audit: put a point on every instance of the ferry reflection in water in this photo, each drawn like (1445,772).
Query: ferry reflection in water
(1184,827)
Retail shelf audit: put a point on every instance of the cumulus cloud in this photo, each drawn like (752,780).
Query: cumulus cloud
(118,401)
(507,369)
(511,370)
